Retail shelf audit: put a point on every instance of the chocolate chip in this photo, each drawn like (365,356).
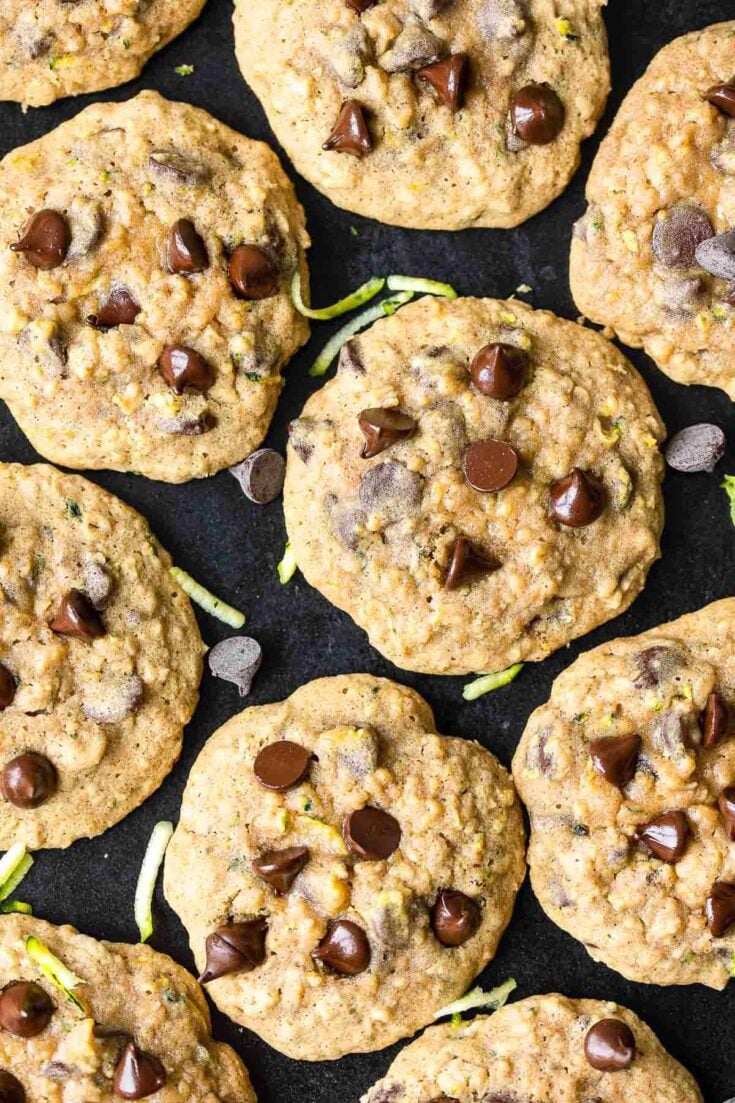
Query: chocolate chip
(723,97)
(234,948)
(344,948)
(726,805)
(252,273)
(489,465)
(454,917)
(236,660)
(383,426)
(720,908)
(502,19)
(11,1089)
(447,79)
(25,1009)
(349,55)
(185,249)
(28,780)
(616,757)
(45,240)
(391,489)
(113,700)
(577,499)
(372,833)
(717,255)
(282,765)
(360,6)
(188,425)
(86,225)
(350,134)
(171,164)
(137,1074)
(280,868)
(77,617)
(261,475)
(118,309)
(7,687)
(696,448)
(537,114)
(466,562)
(714,721)
(414,48)
(677,235)
(666,836)
(499,370)
(656,665)
(184,369)
(609,1046)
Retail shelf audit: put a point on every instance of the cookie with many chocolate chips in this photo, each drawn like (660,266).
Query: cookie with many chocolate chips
(100,659)
(654,255)
(517,506)
(628,773)
(342,870)
(146,257)
(135,1025)
(436,114)
(546,1048)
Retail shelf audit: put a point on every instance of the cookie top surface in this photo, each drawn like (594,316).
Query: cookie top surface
(622,772)
(535,1050)
(146,316)
(91,710)
(411,851)
(432,148)
(382,537)
(55,48)
(127,993)
(663,184)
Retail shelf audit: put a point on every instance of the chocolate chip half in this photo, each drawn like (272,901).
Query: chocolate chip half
(25,1009)
(253,274)
(28,780)
(344,948)
(137,1074)
(234,948)
(261,475)
(184,369)
(499,370)
(11,1089)
(45,240)
(609,1046)
(236,660)
(282,765)
(714,721)
(720,908)
(616,757)
(677,235)
(726,805)
(576,500)
(280,868)
(696,448)
(118,309)
(454,917)
(447,79)
(467,561)
(383,426)
(7,687)
(350,134)
(185,249)
(372,833)
(77,617)
(723,97)
(537,114)
(717,255)
(666,836)
(489,465)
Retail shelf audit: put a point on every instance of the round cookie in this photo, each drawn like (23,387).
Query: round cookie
(654,255)
(342,870)
(435,114)
(142,1025)
(100,659)
(55,48)
(146,258)
(628,773)
(537,1049)
(404,523)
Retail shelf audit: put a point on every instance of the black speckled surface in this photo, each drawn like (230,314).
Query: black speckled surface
(233,547)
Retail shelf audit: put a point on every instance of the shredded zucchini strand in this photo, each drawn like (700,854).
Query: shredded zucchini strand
(206,599)
(360,295)
(487,682)
(334,344)
(152,859)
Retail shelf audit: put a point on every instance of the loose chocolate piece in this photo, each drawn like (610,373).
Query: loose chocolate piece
(261,475)
(234,948)
(7,687)
(454,917)
(184,369)
(77,617)
(717,255)
(360,6)
(726,805)
(236,660)
(372,833)
(677,235)
(489,465)
(45,240)
(723,97)
(466,561)
(252,273)
(344,948)
(137,1074)
(537,114)
(616,757)
(280,868)
(720,908)
(383,426)
(447,78)
(282,765)
(350,134)
(185,249)
(609,1045)
(499,370)
(576,500)
(25,1009)
(666,836)
(118,309)
(28,780)
(714,721)
(11,1089)
(696,448)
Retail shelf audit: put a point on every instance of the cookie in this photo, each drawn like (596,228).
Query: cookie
(436,114)
(654,255)
(100,659)
(543,1047)
(55,48)
(478,485)
(137,1024)
(343,871)
(146,258)
(628,773)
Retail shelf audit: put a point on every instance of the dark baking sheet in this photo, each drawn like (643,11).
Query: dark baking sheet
(233,546)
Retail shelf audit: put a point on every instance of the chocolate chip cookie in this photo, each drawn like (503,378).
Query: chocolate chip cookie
(55,48)
(146,256)
(654,255)
(548,1048)
(628,773)
(436,114)
(135,1024)
(343,870)
(478,485)
(100,659)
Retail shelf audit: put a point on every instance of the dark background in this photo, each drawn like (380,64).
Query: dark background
(232,546)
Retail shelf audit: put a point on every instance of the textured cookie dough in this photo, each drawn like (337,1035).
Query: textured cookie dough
(108,712)
(532,1050)
(376,536)
(667,167)
(122,175)
(428,167)
(55,48)
(635,912)
(375,744)
(128,993)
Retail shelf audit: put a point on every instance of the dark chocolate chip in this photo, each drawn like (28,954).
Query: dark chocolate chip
(171,164)
(720,908)
(537,114)
(11,1089)
(726,805)
(137,1074)
(282,765)
(467,561)
(696,448)
(499,370)
(666,836)
(25,1009)
(656,665)
(261,475)
(454,917)
(609,1045)
(714,721)
(234,948)
(616,757)
(7,687)
(723,97)
(118,309)
(252,273)
(717,255)
(45,240)
(489,465)
(114,699)
(350,134)
(280,868)
(236,660)
(344,948)
(184,369)
(188,425)
(677,235)
(576,500)
(360,6)
(447,79)
(383,426)
(372,833)
(77,617)
(185,249)
(28,780)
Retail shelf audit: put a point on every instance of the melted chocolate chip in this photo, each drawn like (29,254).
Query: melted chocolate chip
(609,1046)
(499,370)
(137,1074)
(185,370)
(372,833)
(77,617)
(537,114)
(282,765)
(350,134)
(447,79)
(720,908)
(234,948)
(666,836)
(726,805)
(118,309)
(454,917)
(616,758)
(656,665)
(577,499)
(11,1089)
(677,235)
(185,249)
(467,561)
(7,687)
(25,1009)
(280,868)
(723,97)
(344,948)
(714,721)
(489,465)
(252,273)
(45,240)
(28,780)
(383,426)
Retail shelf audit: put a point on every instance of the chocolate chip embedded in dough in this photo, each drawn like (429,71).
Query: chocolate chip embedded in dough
(720,908)
(253,274)
(454,917)
(186,252)
(382,427)
(499,370)
(714,720)
(616,757)
(177,167)
(11,1089)
(576,500)
(45,240)
(28,780)
(282,765)
(466,562)
(609,1046)
(235,948)
(414,48)
(726,805)
(7,687)
(677,235)
(655,665)
(344,948)
(390,489)
(118,309)
(280,868)
(25,1009)
(188,425)
(372,833)
(722,96)
(490,465)
(350,133)
(77,617)
(447,79)
(138,1074)
(184,369)
(537,114)
(114,699)
(666,836)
